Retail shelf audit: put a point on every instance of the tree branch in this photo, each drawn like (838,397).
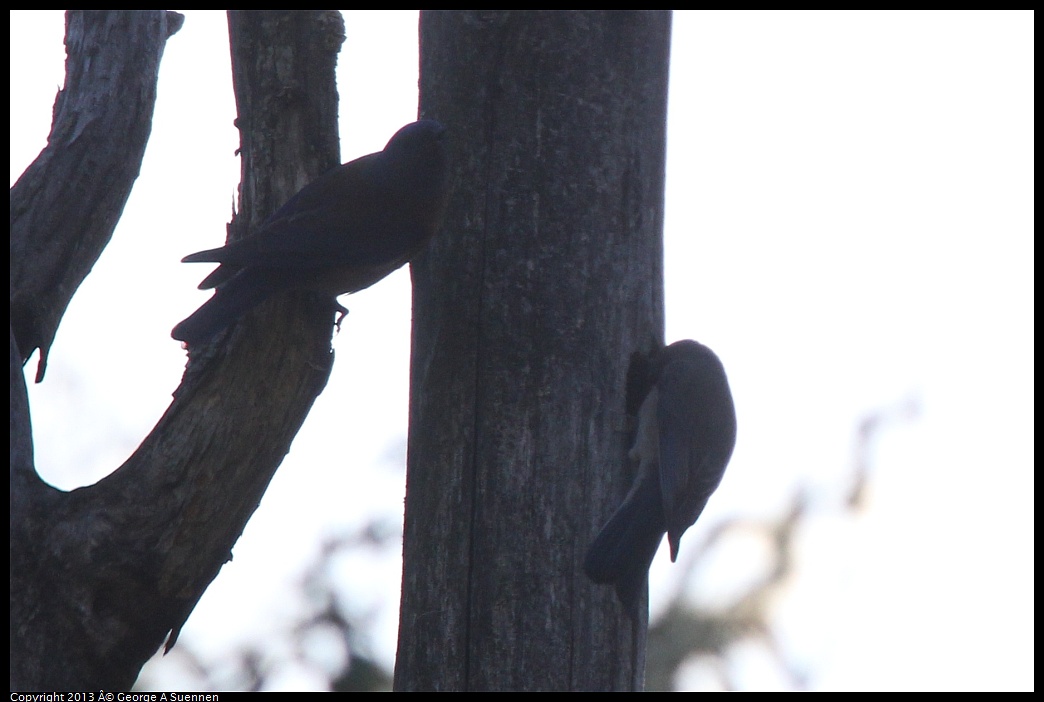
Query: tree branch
(65,206)
(102,575)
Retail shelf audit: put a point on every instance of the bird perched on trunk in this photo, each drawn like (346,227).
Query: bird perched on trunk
(341,233)
(686,433)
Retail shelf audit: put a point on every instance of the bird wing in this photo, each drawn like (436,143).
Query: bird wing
(693,431)
(343,217)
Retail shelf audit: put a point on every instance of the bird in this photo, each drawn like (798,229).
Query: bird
(339,234)
(685,438)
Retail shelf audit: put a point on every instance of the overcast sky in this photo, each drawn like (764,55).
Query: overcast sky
(849,225)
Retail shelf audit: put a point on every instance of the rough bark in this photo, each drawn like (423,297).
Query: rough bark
(528,309)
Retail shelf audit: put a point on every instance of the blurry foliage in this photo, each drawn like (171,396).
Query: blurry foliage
(331,640)
(686,632)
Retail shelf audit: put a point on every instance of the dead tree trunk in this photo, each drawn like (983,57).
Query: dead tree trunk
(528,307)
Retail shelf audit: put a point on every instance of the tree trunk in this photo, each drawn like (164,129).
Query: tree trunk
(528,308)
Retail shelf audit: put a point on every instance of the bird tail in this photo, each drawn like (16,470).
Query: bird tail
(623,551)
(219,275)
(208,256)
(230,301)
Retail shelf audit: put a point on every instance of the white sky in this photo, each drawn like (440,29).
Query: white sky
(849,225)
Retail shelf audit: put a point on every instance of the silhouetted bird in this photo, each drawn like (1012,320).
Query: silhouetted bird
(341,233)
(686,433)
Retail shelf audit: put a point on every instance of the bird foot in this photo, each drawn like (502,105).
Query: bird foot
(342,312)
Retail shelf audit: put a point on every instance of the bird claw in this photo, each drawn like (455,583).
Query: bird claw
(342,312)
